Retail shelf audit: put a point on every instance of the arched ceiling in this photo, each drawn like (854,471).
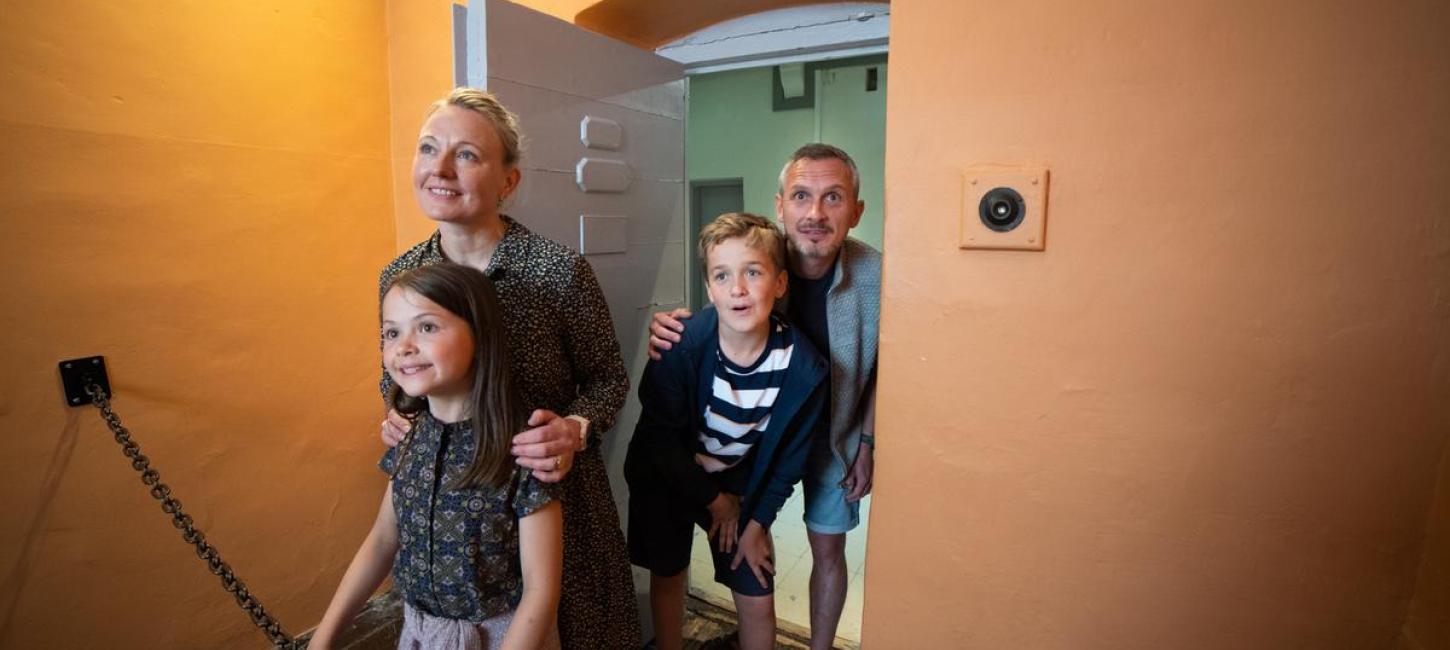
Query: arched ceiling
(652,23)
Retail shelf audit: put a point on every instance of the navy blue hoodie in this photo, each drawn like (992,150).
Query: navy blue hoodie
(673,393)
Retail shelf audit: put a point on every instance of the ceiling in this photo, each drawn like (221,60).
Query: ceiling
(652,23)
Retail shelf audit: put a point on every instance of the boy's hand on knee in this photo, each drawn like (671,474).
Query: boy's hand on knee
(665,329)
(755,550)
(725,521)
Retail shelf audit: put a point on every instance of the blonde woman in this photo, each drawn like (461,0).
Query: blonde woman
(564,356)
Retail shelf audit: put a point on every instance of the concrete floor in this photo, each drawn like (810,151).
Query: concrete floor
(710,620)
(793,572)
(707,627)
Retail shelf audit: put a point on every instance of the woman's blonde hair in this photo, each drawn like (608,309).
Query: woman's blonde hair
(504,122)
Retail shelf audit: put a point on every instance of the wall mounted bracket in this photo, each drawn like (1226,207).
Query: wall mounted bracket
(1004,208)
(77,374)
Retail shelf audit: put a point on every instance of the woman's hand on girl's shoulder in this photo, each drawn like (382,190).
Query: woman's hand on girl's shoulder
(395,428)
(548,446)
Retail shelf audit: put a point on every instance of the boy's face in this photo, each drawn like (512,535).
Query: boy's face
(743,283)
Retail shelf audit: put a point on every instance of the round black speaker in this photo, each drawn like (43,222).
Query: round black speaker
(1002,209)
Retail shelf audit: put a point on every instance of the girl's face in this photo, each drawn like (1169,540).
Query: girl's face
(459,174)
(429,351)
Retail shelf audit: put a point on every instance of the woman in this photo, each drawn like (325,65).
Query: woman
(564,356)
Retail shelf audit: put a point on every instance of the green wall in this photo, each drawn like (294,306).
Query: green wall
(855,120)
(733,133)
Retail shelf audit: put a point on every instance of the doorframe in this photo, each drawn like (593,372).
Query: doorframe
(695,283)
(784,35)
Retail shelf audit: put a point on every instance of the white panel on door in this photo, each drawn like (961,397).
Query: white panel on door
(603,234)
(545,111)
(555,75)
(602,175)
(600,133)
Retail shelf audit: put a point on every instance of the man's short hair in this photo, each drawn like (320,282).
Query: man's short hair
(821,151)
(757,231)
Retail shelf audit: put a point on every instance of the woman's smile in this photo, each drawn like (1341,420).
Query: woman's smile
(459,173)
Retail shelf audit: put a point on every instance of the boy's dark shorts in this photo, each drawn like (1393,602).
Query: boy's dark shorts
(661,530)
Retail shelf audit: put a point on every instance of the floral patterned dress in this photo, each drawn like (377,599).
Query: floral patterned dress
(565,358)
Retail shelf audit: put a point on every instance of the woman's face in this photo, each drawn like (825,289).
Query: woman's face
(459,174)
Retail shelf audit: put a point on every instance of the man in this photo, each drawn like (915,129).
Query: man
(835,300)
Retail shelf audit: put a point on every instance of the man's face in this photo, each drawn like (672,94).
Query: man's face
(818,206)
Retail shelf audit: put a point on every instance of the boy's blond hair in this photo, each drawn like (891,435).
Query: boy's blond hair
(757,231)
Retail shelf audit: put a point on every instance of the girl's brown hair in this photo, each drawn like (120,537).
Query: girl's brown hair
(497,411)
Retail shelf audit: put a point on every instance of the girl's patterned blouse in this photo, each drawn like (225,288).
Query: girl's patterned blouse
(458,549)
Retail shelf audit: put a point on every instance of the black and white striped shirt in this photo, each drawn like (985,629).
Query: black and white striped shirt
(741,400)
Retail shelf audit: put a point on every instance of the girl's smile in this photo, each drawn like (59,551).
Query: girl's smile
(428,350)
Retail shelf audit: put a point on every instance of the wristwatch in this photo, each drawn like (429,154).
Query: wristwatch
(583,431)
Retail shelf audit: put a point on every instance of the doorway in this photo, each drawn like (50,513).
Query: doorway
(708,199)
(741,127)
(610,129)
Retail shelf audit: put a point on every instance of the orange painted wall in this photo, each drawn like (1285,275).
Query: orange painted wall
(200,192)
(1211,413)
(420,67)
(563,9)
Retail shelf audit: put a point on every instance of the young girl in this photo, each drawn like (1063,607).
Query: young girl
(477,539)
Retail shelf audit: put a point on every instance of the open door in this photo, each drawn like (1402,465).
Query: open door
(603,162)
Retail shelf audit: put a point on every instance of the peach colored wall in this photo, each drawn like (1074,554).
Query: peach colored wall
(1428,624)
(561,9)
(420,67)
(1210,414)
(200,192)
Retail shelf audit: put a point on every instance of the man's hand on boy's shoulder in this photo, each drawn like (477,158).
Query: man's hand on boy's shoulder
(665,330)
(755,550)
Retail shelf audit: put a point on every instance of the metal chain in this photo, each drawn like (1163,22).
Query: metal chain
(183,522)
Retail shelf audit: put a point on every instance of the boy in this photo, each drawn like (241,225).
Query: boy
(725,430)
